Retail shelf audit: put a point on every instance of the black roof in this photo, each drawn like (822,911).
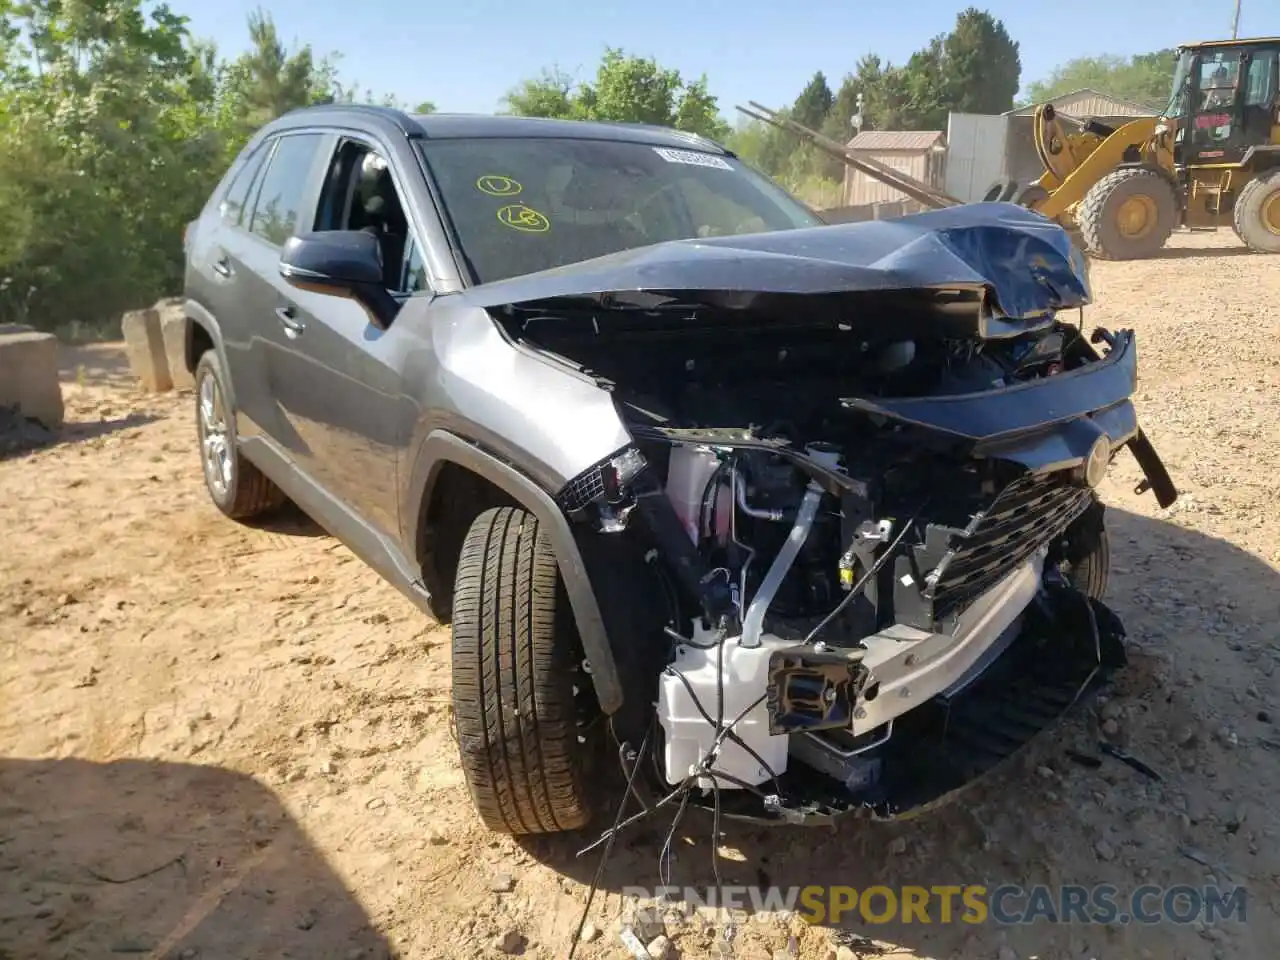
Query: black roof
(455,126)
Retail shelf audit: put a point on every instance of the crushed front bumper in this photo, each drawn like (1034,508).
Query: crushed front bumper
(1068,644)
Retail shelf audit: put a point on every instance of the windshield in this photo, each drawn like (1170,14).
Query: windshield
(520,205)
(1178,104)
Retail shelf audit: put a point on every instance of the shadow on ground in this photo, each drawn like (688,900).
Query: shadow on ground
(19,435)
(289,520)
(1004,830)
(163,860)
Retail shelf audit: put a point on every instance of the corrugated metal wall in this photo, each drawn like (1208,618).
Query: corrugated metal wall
(929,166)
(975,153)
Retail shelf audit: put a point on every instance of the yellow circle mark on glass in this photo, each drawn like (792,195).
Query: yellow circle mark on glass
(498,186)
(526,219)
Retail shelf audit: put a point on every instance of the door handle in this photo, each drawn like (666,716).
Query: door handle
(222,266)
(292,326)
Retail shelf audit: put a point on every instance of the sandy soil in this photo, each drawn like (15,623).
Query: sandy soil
(219,741)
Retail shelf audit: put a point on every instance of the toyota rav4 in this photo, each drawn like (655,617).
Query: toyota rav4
(794,520)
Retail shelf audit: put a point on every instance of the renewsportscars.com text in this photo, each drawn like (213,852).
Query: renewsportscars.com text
(964,903)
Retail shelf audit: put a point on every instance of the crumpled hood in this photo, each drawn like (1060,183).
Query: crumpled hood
(1024,262)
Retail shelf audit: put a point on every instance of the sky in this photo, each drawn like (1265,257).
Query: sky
(464,55)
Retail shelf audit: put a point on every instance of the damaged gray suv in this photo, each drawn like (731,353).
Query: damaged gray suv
(790,520)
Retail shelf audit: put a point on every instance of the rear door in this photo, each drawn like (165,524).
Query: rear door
(260,335)
(213,279)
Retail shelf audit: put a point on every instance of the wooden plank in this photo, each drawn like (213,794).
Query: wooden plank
(915,189)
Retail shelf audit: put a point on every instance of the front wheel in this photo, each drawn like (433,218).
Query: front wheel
(515,663)
(1128,214)
(1084,553)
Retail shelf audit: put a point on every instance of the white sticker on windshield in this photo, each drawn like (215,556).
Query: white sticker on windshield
(691,157)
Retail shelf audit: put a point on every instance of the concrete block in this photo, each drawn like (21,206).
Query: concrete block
(29,376)
(144,345)
(173,330)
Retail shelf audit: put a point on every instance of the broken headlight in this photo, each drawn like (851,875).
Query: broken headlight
(604,489)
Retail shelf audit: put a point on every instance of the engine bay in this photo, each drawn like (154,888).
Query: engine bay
(827,568)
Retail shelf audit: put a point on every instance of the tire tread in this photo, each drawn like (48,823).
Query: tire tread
(513,702)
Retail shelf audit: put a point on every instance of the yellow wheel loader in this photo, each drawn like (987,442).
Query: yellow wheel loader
(1212,159)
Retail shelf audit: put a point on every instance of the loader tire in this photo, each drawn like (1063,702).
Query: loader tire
(1001,190)
(1256,215)
(1128,214)
(514,665)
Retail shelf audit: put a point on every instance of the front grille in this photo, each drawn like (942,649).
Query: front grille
(1029,513)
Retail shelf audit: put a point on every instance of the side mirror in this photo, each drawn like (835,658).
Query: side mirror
(341,263)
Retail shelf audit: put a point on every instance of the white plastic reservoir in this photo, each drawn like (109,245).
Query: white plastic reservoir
(688,473)
(689,737)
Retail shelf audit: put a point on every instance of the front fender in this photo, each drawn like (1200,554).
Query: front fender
(441,448)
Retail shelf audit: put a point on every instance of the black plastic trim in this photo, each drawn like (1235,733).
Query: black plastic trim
(441,447)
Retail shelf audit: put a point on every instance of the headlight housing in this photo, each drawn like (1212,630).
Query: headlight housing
(604,488)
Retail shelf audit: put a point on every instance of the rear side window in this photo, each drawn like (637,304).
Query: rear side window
(284,186)
(237,196)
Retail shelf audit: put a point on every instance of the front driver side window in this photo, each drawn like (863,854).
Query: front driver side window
(360,194)
(275,213)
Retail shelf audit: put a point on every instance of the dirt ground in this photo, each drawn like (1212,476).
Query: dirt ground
(219,741)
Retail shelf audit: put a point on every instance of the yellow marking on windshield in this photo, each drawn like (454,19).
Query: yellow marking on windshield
(525,219)
(496,185)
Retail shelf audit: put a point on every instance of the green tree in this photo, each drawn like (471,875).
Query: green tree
(268,80)
(981,65)
(814,103)
(627,89)
(1144,79)
(550,94)
(697,111)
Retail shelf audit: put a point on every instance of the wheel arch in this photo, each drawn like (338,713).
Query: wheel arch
(1261,158)
(202,333)
(445,464)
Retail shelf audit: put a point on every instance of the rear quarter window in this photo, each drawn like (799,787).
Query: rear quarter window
(236,197)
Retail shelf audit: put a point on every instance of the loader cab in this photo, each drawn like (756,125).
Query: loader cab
(1225,100)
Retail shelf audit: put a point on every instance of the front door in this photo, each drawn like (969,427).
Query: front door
(339,385)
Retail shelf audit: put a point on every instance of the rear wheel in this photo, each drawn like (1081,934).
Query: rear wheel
(1128,214)
(237,487)
(1256,216)
(515,663)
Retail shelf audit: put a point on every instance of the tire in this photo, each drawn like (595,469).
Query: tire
(237,487)
(1030,195)
(1256,215)
(514,662)
(1107,206)
(1085,553)
(1001,191)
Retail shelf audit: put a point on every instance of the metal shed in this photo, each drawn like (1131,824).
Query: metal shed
(982,148)
(919,153)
